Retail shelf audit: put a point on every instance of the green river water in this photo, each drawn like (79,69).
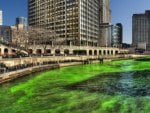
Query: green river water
(112,87)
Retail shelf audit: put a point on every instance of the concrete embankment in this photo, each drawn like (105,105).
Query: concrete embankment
(38,64)
(39,60)
(11,62)
(6,77)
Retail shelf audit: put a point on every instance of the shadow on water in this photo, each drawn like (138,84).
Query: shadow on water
(135,83)
(146,59)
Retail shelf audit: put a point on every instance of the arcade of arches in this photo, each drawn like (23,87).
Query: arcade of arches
(7,51)
(90,51)
(74,52)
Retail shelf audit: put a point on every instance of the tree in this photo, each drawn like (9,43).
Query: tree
(20,38)
(42,37)
(36,36)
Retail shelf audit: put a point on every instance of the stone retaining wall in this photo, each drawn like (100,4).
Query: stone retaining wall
(20,73)
(6,77)
(34,60)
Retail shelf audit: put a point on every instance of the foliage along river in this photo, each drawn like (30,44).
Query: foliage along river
(112,87)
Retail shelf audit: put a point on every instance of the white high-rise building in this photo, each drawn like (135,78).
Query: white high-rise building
(1,17)
(77,22)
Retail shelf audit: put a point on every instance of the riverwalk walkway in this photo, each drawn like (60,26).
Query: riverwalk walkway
(13,74)
(9,76)
(5,77)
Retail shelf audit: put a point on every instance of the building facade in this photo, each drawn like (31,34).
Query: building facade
(141,30)
(105,11)
(105,23)
(117,35)
(120,32)
(5,34)
(21,23)
(1,17)
(76,22)
(105,35)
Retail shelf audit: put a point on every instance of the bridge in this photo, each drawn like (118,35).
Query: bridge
(10,50)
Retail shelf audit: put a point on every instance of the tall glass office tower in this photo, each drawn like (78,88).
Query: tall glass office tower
(77,22)
(22,21)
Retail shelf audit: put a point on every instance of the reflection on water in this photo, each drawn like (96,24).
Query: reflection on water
(127,83)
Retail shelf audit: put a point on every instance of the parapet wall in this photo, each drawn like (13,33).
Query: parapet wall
(34,60)
(56,59)
(6,77)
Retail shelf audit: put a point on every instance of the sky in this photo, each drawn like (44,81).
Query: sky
(122,11)
(12,9)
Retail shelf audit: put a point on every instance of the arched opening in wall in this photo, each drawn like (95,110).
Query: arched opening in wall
(116,52)
(108,52)
(0,51)
(57,52)
(13,52)
(90,52)
(95,52)
(100,52)
(82,52)
(5,51)
(104,52)
(30,51)
(75,52)
(66,52)
(79,52)
(48,51)
(38,51)
(111,52)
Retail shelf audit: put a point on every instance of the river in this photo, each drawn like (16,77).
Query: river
(112,87)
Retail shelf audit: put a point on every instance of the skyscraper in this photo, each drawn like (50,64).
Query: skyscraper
(105,11)
(1,17)
(117,35)
(120,32)
(5,34)
(141,30)
(105,23)
(77,22)
(21,23)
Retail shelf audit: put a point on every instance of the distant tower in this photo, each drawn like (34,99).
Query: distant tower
(1,17)
(117,32)
(141,30)
(21,23)
(105,23)
(120,32)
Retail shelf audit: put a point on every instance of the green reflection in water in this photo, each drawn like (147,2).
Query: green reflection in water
(47,93)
